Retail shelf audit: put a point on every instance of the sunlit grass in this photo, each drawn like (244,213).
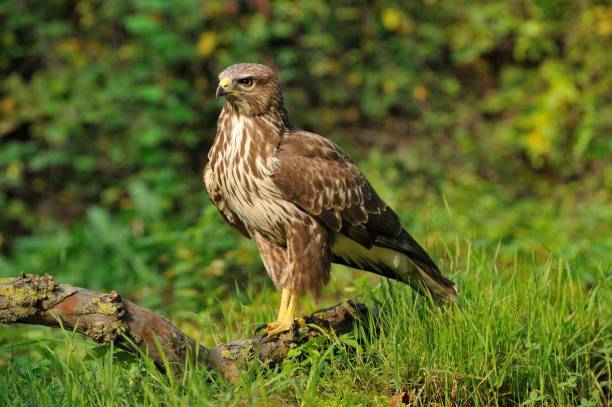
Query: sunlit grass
(520,333)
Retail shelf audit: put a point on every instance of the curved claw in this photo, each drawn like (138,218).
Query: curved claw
(278,326)
(285,315)
(274,328)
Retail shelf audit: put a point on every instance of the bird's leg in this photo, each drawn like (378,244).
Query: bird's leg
(286,312)
(283,304)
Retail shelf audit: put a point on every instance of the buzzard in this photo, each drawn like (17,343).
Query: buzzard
(301,199)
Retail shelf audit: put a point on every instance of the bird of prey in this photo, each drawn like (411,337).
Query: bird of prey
(301,199)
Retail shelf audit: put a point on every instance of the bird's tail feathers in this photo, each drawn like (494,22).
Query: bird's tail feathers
(424,276)
(399,258)
(431,281)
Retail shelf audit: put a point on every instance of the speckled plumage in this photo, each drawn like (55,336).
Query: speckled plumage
(300,198)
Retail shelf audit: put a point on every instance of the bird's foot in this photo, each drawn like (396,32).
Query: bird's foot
(276,327)
(284,321)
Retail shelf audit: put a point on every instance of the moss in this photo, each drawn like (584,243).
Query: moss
(247,352)
(105,333)
(227,354)
(106,308)
(14,314)
(319,315)
(23,296)
(18,296)
(106,304)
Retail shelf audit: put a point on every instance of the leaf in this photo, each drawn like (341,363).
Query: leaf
(141,24)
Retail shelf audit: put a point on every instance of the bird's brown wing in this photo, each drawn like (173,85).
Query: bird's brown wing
(215,196)
(323,181)
(317,176)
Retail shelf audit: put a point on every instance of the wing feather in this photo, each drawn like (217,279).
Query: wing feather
(323,181)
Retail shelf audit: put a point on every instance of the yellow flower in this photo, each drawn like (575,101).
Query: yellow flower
(391,19)
(207,43)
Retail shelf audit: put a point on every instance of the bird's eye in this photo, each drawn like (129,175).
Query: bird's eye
(246,81)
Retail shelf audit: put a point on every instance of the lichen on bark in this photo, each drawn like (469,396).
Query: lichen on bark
(26,295)
(106,332)
(106,304)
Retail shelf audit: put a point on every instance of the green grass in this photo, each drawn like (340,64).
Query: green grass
(532,326)
(520,333)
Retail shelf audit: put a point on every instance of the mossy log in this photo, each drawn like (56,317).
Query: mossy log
(107,317)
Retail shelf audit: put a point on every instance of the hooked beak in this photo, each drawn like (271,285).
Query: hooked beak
(220,92)
(223,88)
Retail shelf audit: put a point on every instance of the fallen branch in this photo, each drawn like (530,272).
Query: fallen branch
(106,318)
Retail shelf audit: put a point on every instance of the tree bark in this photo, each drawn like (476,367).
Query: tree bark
(107,317)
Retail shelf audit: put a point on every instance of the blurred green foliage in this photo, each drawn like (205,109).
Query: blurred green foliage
(486,124)
(107,111)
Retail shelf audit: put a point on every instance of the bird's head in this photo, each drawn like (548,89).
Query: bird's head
(251,89)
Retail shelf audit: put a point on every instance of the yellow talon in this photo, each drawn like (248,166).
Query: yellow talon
(277,327)
(286,313)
